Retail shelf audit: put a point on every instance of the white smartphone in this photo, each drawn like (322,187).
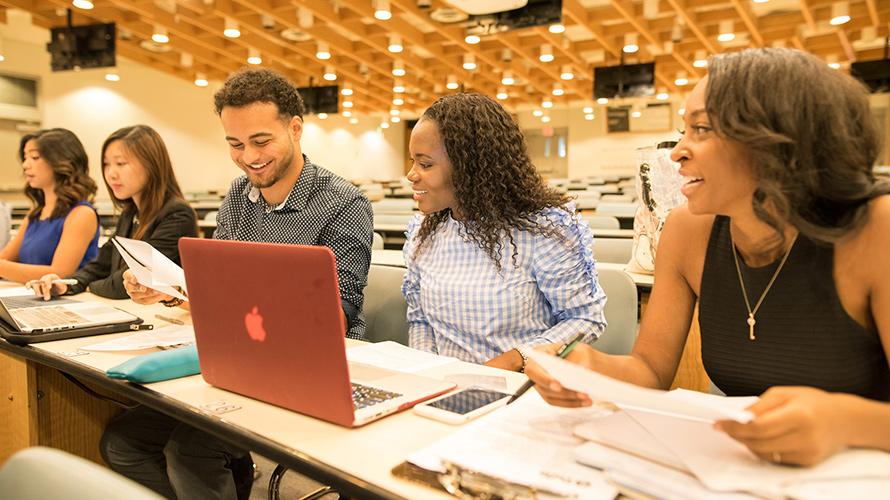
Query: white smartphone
(463,405)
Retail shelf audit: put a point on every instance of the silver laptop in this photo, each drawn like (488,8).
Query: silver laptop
(27,313)
(269,325)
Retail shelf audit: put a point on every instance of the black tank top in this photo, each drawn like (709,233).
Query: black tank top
(804,335)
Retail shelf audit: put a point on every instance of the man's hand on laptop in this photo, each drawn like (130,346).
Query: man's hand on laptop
(47,286)
(141,294)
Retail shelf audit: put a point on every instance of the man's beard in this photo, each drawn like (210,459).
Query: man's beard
(274,176)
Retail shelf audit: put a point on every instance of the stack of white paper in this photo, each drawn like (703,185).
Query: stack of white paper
(528,443)
(674,432)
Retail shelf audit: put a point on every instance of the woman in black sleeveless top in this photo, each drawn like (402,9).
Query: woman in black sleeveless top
(784,244)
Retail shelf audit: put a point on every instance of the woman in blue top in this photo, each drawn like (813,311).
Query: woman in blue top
(61,233)
(500,263)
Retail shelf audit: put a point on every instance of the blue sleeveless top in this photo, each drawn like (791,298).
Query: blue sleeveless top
(42,237)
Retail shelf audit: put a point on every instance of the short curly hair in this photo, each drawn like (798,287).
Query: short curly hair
(495,183)
(248,86)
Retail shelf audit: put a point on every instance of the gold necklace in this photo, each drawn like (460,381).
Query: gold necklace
(751,312)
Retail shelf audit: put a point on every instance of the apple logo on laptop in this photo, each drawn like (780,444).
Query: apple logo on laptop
(253,321)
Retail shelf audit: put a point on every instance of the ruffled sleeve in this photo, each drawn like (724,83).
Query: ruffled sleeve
(565,269)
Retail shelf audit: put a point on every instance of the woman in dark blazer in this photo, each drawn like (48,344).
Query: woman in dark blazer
(141,182)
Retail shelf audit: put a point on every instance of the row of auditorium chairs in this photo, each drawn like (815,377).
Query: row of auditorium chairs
(385,308)
(612,250)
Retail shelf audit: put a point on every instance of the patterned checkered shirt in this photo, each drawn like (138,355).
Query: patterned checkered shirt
(321,209)
(460,305)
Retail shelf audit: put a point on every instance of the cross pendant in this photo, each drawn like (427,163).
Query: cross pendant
(751,323)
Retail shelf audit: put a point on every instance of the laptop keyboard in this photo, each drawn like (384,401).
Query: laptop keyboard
(29,301)
(364,396)
(48,317)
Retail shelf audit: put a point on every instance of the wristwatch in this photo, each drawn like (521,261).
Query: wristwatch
(175,301)
(524,358)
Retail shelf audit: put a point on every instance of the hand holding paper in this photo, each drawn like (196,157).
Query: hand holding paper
(150,267)
(602,388)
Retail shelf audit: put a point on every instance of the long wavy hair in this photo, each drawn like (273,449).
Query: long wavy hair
(64,153)
(496,185)
(809,133)
(146,146)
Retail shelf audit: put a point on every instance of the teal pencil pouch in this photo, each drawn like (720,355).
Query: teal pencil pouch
(157,366)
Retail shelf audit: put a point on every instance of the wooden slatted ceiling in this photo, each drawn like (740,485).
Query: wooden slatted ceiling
(595,32)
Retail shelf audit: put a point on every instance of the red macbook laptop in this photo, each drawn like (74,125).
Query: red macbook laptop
(269,325)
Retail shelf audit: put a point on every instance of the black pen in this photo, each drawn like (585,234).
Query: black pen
(564,351)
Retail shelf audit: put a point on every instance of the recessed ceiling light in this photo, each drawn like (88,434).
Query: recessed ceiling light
(160,35)
(253,57)
(546,54)
(395,44)
(382,10)
(323,51)
(469,62)
(231,29)
(840,13)
(630,44)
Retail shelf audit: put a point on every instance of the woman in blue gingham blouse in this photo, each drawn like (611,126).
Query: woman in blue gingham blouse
(500,263)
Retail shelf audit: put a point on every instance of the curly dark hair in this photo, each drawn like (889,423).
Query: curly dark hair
(495,183)
(809,132)
(248,86)
(63,151)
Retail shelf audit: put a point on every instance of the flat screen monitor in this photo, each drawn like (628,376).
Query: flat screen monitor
(874,74)
(83,47)
(535,13)
(626,80)
(320,99)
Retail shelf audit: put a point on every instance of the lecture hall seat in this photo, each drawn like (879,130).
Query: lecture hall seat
(621,311)
(40,473)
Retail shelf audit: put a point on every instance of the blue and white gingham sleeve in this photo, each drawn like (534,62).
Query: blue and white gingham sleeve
(566,274)
(420,333)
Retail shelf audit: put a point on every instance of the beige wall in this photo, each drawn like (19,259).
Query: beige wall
(593,151)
